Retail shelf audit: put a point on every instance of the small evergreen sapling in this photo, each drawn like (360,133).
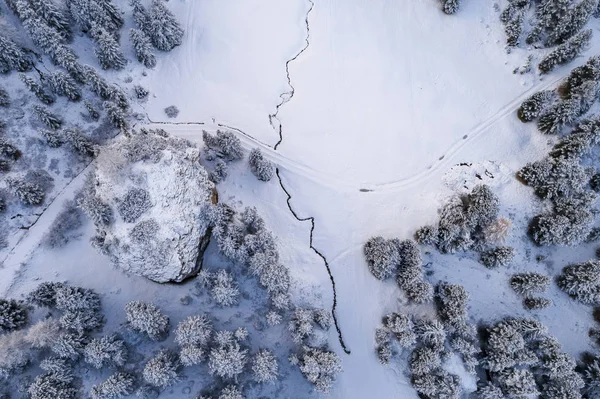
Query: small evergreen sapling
(535,303)
(260,167)
(450,6)
(92,112)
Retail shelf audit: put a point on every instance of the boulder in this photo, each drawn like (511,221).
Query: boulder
(146,197)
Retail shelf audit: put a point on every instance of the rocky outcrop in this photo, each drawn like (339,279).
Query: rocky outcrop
(146,197)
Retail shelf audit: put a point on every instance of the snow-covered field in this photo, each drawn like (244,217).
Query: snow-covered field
(384,100)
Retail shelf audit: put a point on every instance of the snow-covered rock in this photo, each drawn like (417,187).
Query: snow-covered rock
(146,197)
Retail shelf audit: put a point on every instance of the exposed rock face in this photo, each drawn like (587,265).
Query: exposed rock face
(146,197)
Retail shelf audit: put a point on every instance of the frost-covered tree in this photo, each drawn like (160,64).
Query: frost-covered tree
(53,15)
(63,84)
(37,89)
(513,29)
(581,281)
(558,115)
(424,360)
(227,359)
(590,71)
(401,326)
(142,47)
(319,366)
(499,256)
(108,51)
(51,120)
(535,105)
(96,83)
(13,315)
(591,376)
(140,15)
(69,345)
(260,167)
(53,138)
(116,386)
(569,224)
(225,144)
(101,12)
(265,367)
(115,114)
(28,193)
(44,294)
(535,303)
(231,392)
(163,29)
(50,386)
(194,330)
(517,382)
(76,298)
(224,289)
(162,370)
(4,98)
(430,333)
(382,256)
(107,350)
(450,6)
(572,22)
(79,142)
(91,110)
(452,302)
(98,211)
(8,150)
(566,52)
(134,204)
(426,235)
(527,284)
(147,318)
(220,171)
(489,391)
(439,384)
(549,13)
(12,57)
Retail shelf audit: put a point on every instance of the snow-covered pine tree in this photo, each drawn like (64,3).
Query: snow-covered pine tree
(517,382)
(108,50)
(66,58)
(162,370)
(9,150)
(265,367)
(220,172)
(489,391)
(439,384)
(538,302)
(96,83)
(115,114)
(260,167)
(12,57)
(92,112)
(98,211)
(586,72)
(108,350)
(63,84)
(45,37)
(44,294)
(147,318)
(549,13)
(48,118)
(37,89)
(513,29)
(194,330)
(13,315)
(142,47)
(499,256)
(4,98)
(224,290)
(426,235)
(558,115)
(319,366)
(53,15)
(450,6)
(48,386)
(383,257)
(164,30)
(572,22)
(28,193)
(452,303)
(581,281)
(231,392)
(566,52)
(527,284)
(535,105)
(69,345)
(140,16)
(227,359)
(116,386)
(101,12)
(424,360)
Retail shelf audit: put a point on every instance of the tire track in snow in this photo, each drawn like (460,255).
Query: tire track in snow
(286,96)
(311,219)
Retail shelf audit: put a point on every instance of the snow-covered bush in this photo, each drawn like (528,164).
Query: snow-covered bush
(319,366)
(537,302)
(135,202)
(116,386)
(162,370)
(62,228)
(220,171)
(172,111)
(4,98)
(140,92)
(499,256)
(107,350)
(76,298)
(13,315)
(147,318)
(303,321)
(450,6)
(91,110)
(265,367)
(260,167)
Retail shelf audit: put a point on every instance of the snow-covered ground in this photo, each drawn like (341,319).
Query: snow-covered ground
(387,98)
